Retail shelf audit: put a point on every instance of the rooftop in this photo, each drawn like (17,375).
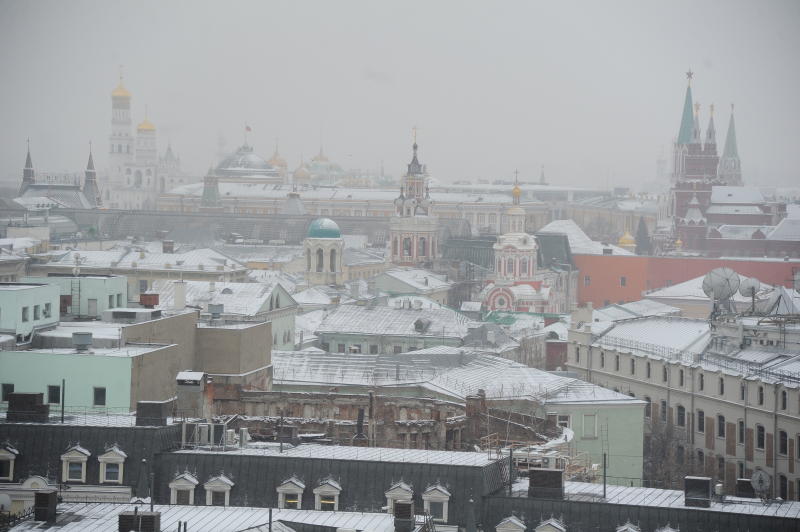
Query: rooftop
(419,279)
(579,241)
(351,319)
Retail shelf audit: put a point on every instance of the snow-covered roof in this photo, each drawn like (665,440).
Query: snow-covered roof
(220,479)
(734,209)
(419,279)
(78,449)
(664,336)
(19,243)
(728,194)
(189,376)
(787,229)
(634,309)
(412,301)
(500,378)
(360,257)
(261,253)
(352,319)
(579,242)
(203,259)
(243,299)
(743,232)
(188,477)
(471,306)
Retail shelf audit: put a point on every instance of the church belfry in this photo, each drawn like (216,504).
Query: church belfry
(28,175)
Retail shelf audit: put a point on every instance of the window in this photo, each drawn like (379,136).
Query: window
(681,416)
(701,382)
(577,354)
(326,496)
(587,280)
(184,497)
(112,473)
(142,286)
(8,454)
(740,469)
(721,468)
(720,426)
(75,471)
(340,348)
(783,487)
(54,394)
(680,377)
(721,386)
(740,432)
(797,447)
(742,392)
(37,312)
(436,500)
(7,388)
(647,407)
(24,314)
(119,300)
(562,421)
(325,346)
(623,281)
(111,301)
(784,399)
(783,442)
(398,349)
(99,397)
(373,349)
(47,310)
(701,421)
(633,366)
(290,493)
(761,395)
(589,426)
(616,362)
(664,375)
(760,436)
(602,359)
(436,510)
(663,410)
(181,489)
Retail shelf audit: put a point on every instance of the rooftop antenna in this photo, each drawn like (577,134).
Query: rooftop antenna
(719,285)
(748,288)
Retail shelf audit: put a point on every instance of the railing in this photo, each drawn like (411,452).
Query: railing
(8,520)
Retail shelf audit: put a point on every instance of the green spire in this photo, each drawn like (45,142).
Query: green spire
(687,118)
(731,150)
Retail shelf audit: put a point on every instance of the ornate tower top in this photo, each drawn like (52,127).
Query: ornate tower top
(28,175)
(687,117)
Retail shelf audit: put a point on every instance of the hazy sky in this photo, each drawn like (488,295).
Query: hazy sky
(591,90)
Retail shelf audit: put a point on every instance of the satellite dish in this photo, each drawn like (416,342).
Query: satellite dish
(749,286)
(760,482)
(720,284)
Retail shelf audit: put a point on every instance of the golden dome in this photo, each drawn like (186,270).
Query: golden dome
(146,125)
(278,161)
(679,243)
(301,172)
(120,91)
(516,191)
(626,240)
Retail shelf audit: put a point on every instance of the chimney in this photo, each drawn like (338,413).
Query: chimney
(360,439)
(168,246)
(44,505)
(27,408)
(140,521)
(179,298)
(148,300)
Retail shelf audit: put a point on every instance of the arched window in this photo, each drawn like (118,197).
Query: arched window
(333,260)
(320,260)
(783,487)
(720,426)
(761,395)
(510,267)
(664,374)
(680,377)
(647,369)
(701,421)
(422,244)
(523,267)
(701,382)
(783,442)
(784,399)
(681,416)
(721,386)
(633,366)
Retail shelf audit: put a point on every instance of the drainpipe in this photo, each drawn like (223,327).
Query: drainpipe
(775,442)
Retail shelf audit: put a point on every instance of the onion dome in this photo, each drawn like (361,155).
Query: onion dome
(146,125)
(626,240)
(301,173)
(120,91)
(324,228)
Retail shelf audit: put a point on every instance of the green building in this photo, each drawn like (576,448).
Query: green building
(87,296)
(25,308)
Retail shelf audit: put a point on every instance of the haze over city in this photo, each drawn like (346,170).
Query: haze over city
(592,93)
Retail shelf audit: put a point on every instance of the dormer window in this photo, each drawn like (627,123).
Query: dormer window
(399,491)
(326,495)
(218,490)
(112,464)
(73,464)
(436,500)
(290,493)
(8,455)
(510,524)
(181,489)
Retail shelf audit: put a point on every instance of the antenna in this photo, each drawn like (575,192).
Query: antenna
(719,285)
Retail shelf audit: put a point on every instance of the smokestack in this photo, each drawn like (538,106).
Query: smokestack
(179,294)
(360,439)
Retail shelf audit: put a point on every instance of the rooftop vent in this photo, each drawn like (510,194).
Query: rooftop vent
(697,492)
(81,341)
(216,310)
(546,483)
(140,521)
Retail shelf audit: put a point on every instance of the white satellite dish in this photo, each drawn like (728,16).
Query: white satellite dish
(720,284)
(749,286)
(761,482)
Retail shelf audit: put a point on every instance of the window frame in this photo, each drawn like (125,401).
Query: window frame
(95,391)
(701,421)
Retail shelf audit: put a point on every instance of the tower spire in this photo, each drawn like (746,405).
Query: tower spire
(696,124)
(90,188)
(711,133)
(28,175)
(687,117)
(730,169)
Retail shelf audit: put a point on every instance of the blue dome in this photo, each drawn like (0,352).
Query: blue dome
(324,228)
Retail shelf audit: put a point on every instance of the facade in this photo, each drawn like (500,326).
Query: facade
(87,296)
(414,281)
(726,398)
(26,308)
